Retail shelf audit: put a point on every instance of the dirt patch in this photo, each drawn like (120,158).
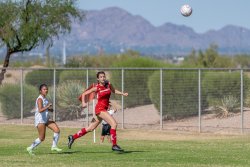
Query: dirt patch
(147,114)
(147,118)
(14,76)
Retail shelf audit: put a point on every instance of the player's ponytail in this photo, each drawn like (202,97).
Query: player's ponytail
(106,83)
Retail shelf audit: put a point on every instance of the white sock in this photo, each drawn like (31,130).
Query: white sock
(35,143)
(55,139)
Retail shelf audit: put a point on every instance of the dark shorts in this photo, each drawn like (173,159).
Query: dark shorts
(106,129)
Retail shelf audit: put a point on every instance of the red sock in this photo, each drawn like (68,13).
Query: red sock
(80,133)
(113,136)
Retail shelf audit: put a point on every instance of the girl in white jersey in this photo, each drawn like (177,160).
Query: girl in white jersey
(42,120)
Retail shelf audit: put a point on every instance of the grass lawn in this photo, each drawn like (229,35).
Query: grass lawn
(142,148)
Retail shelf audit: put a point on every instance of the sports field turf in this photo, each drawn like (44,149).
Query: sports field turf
(142,148)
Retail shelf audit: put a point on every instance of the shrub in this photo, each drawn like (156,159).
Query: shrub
(69,107)
(37,77)
(247,97)
(135,81)
(10,100)
(217,85)
(77,75)
(8,75)
(229,104)
(180,93)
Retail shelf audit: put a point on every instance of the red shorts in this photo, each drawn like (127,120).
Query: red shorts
(100,108)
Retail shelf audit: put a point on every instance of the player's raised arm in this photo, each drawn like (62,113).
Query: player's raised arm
(117,91)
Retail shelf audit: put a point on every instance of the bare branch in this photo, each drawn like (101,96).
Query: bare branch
(26,11)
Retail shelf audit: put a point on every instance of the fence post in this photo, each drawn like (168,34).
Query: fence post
(161,114)
(21,96)
(54,94)
(94,135)
(122,99)
(87,85)
(241,101)
(199,99)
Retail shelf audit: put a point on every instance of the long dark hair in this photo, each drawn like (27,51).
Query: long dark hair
(106,83)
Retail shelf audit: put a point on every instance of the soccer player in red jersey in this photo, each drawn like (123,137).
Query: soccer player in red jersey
(103,90)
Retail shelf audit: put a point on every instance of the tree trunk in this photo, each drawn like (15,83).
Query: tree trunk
(48,63)
(5,65)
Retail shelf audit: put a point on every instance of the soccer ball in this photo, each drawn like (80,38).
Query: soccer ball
(186,10)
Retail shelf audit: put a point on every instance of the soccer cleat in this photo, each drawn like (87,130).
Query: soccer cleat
(116,148)
(30,151)
(56,149)
(71,141)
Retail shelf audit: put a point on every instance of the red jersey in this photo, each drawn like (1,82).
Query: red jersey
(103,95)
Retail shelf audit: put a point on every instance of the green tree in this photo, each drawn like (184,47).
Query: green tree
(224,62)
(210,58)
(26,24)
(242,61)
(191,58)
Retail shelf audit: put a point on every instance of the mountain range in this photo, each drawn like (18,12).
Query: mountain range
(114,30)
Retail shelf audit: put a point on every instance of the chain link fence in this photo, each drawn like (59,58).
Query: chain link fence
(202,100)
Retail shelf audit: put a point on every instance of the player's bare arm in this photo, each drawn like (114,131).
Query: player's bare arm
(86,93)
(40,105)
(117,91)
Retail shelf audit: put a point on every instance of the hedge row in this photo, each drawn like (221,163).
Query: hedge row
(37,77)
(180,93)
(10,98)
(135,81)
(180,90)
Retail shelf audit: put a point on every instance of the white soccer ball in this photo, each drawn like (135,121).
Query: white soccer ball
(186,10)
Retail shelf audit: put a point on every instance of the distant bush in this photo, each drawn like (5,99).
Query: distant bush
(180,93)
(69,107)
(229,104)
(37,77)
(217,85)
(99,61)
(10,98)
(135,81)
(8,75)
(77,75)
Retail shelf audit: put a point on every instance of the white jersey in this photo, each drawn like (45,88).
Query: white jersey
(41,117)
(111,112)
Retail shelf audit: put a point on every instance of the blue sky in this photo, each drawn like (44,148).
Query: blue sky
(207,14)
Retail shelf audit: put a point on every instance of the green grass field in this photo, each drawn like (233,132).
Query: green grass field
(142,148)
